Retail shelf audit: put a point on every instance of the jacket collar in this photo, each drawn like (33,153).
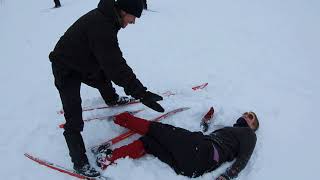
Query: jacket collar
(109,9)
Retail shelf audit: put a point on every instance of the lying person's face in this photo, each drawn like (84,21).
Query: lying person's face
(250,118)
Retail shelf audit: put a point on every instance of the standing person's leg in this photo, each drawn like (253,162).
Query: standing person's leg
(108,93)
(68,84)
(57,3)
(104,86)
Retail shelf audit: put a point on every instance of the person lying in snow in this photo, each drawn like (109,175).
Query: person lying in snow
(189,153)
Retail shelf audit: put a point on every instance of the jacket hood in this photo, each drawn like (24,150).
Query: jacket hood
(107,7)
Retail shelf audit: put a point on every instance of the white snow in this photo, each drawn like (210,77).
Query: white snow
(256,55)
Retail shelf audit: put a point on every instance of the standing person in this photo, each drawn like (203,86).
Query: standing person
(189,153)
(57,3)
(89,53)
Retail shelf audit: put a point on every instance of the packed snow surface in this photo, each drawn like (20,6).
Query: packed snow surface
(256,55)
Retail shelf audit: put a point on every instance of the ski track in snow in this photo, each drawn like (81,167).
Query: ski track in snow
(255,55)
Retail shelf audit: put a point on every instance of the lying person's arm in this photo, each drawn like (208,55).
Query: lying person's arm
(247,139)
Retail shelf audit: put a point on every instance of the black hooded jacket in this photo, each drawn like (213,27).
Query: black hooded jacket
(91,45)
(193,153)
(234,143)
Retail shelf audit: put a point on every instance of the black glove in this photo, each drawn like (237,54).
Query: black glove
(150,100)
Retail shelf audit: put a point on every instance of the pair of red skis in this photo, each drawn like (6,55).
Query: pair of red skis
(131,102)
(205,119)
(134,101)
(204,124)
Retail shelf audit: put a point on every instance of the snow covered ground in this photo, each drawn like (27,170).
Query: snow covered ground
(256,55)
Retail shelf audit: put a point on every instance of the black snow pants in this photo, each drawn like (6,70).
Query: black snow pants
(68,83)
(57,3)
(188,153)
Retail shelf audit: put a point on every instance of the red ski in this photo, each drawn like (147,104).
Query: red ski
(130,133)
(62,169)
(109,117)
(134,101)
(205,121)
(200,86)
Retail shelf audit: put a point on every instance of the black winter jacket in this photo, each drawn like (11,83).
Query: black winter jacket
(192,153)
(234,142)
(91,45)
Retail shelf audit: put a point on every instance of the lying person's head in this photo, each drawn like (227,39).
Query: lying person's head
(248,119)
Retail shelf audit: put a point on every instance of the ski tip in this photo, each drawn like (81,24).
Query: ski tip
(26,154)
(211,110)
(206,119)
(179,110)
(202,86)
(209,114)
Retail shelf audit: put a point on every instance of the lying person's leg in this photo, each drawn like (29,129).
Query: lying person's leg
(136,150)
(151,146)
(133,123)
(133,150)
(192,154)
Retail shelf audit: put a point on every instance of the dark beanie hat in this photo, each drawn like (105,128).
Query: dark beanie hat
(133,7)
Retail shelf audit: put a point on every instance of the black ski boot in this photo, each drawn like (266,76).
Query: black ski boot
(86,170)
(78,155)
(104,153)
(120,101)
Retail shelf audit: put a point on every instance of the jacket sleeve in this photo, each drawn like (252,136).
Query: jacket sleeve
(104,45)
(247,141)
